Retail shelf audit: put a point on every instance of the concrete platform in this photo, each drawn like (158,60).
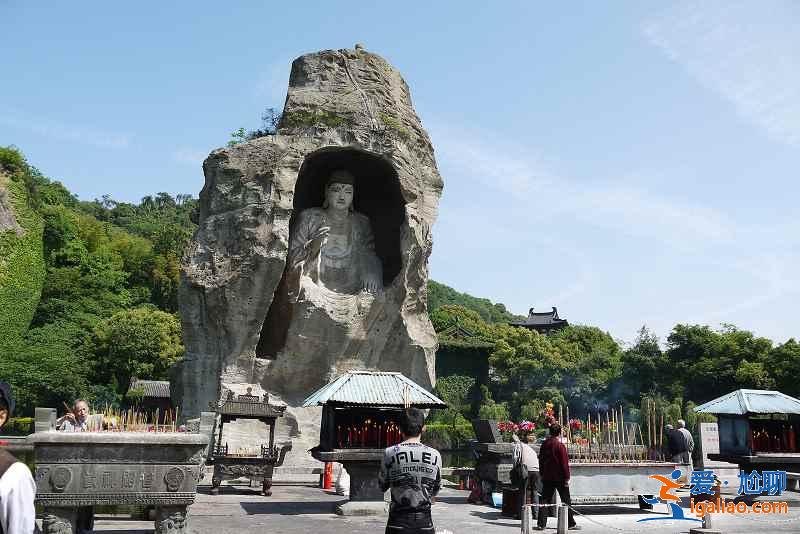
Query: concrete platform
(304,510)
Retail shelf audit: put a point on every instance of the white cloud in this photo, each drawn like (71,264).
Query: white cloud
(188,156)
(65,132)
(523,175)
(747,52)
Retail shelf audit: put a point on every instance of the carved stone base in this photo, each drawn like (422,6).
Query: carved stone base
(60,521)
(364,480)
(254,469)
(170,520)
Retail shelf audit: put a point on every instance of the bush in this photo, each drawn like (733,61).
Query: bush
(445,437)
(18,426)
(493,411)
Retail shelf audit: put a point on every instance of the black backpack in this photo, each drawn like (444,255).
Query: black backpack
(519,474)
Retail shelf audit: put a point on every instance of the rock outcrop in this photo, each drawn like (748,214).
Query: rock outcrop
(8,222)
(345,109)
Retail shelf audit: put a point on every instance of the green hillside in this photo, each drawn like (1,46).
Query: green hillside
(442,295)
(88,290)
(22,269)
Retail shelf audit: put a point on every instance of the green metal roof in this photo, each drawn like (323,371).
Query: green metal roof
(374,388)
(745,401)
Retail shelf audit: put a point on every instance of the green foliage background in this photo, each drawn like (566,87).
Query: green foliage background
(88,295)
(22,269)
(441,295)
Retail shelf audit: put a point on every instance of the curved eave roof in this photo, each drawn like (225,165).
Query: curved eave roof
(373,388)
(747,401)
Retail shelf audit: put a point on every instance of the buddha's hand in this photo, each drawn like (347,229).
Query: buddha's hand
(321,233)
(314,243)
(373,285)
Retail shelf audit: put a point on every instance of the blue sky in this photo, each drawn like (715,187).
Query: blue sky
(631,163)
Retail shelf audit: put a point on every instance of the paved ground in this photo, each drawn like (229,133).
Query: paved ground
(308,510)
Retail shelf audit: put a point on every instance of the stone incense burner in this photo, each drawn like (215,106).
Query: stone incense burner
(77,471)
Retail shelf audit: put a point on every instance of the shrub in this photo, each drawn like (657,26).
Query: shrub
(493,411)
(446,437)
(18,426)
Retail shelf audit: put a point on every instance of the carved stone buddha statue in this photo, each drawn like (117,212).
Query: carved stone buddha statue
(334,245)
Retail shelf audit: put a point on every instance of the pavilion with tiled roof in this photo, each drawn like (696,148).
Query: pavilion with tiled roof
(542,322)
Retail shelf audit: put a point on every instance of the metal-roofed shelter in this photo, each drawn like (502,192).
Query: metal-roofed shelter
(757,428)
(373,388)
(360,415)
(751,401)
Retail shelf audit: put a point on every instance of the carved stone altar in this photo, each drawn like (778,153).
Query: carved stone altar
(77,471)
(363,466)
(250,312)
(253,464)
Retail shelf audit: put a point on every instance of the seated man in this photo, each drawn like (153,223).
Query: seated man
(77,420)
(17,489)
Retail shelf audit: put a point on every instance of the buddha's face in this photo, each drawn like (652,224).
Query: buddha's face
(339,196)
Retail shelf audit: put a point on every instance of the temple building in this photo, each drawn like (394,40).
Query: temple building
(542,322)
(463,352)
(155,394)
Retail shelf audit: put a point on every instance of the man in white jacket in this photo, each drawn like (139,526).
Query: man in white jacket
(525,455)
(17,489)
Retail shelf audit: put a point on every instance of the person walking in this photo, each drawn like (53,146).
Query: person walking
(526,463)
(554,472)
(412,471)
(688,442)
(675,444)
(17,488)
